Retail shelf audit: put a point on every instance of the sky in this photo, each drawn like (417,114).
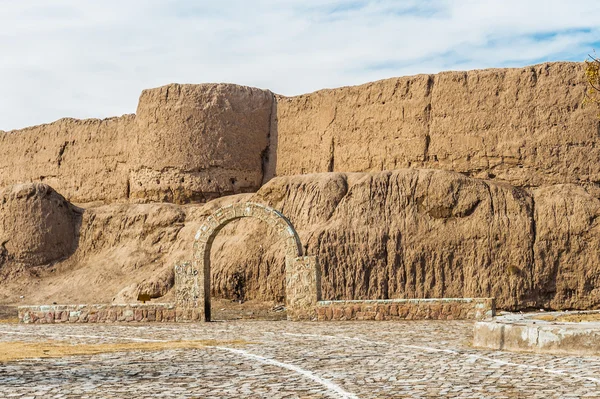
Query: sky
(91,59)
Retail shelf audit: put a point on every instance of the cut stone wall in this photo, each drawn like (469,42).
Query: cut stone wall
(188,303)
(302,287)
(407,309)
(187,286)
(393,309)
(141,313)
(528,333)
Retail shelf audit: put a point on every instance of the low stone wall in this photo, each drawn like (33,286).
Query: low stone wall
(407,309)
(108,313)
(526,333)
(385,309)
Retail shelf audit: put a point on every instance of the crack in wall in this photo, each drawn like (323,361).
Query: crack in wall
(427,113)
(269,153)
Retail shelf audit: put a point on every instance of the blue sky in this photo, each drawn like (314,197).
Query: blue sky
(86,58)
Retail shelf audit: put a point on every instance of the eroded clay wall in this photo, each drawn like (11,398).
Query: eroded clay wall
(84,160)
(199,142)
(524,126)
(192,143)
(187,143)
(399,234)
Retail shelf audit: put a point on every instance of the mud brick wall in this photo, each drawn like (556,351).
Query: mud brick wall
(407,309)
(48,314)
(523,126)
(186,143)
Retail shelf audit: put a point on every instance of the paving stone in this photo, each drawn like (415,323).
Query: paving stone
(416,359)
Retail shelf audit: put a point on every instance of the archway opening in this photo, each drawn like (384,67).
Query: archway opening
(247,272)
(207,234)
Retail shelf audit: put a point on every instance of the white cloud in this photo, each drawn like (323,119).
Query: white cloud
(84,58)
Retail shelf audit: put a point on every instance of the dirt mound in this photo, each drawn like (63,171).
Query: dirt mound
(37,225)
(122,250)
(422,233)
(399,234)
(567,259)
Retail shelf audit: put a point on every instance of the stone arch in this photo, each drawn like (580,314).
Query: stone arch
(300,270)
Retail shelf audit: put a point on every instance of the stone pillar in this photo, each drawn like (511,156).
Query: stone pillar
(302,287)
(188,299)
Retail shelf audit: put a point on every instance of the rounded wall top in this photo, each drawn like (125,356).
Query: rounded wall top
(37,225)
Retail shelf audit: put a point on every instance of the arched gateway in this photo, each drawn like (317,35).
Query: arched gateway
(302,274)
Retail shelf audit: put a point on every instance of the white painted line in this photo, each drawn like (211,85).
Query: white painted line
(332,387)
(453,352)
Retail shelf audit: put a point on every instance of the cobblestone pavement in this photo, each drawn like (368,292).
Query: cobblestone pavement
(292,360)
